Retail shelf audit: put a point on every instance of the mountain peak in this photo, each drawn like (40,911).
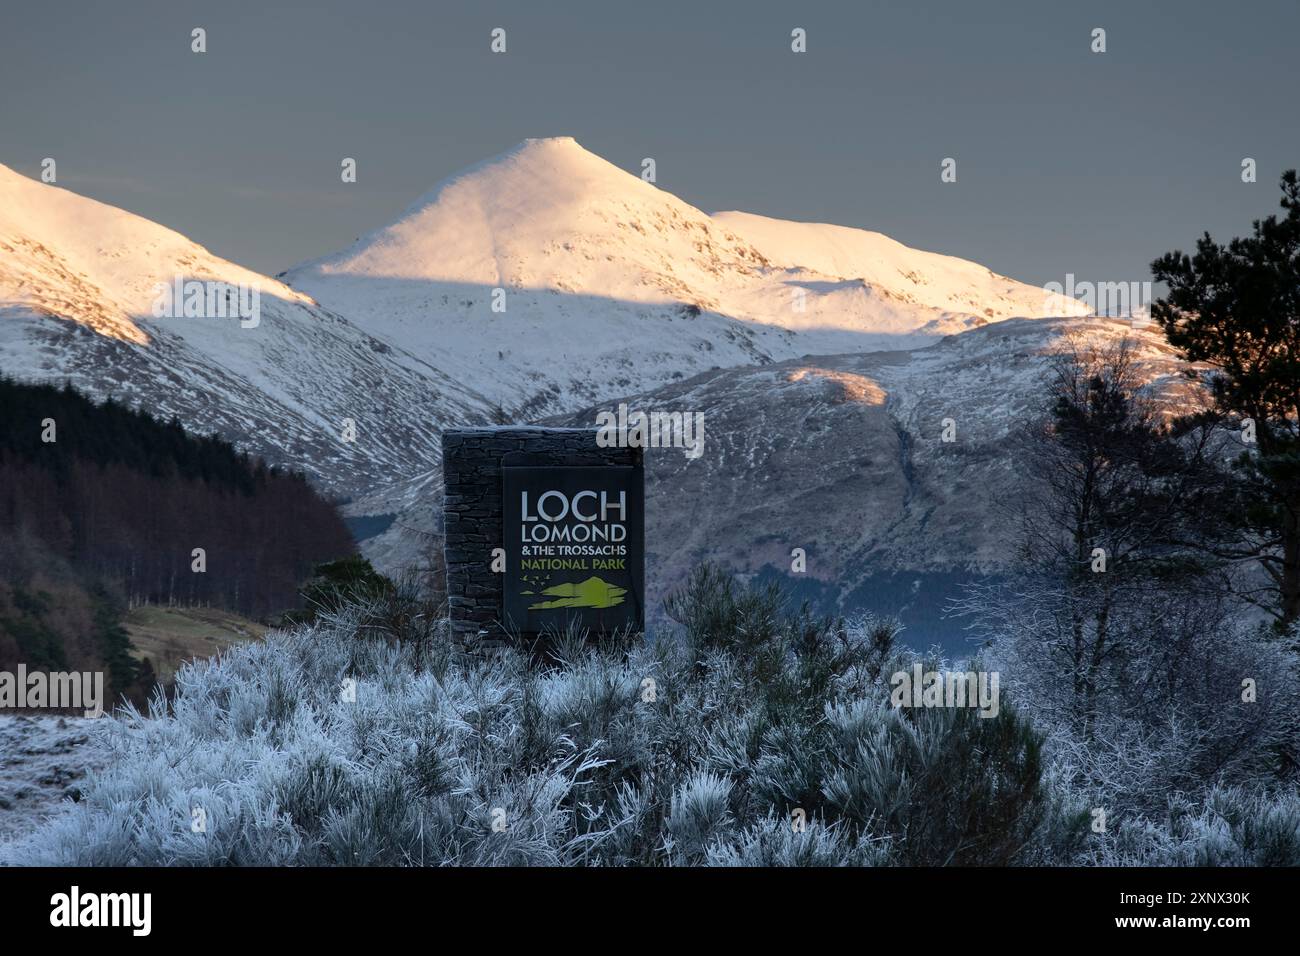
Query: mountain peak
(560,161)
(547,154)
(549,216)
(480,224)
(544,141)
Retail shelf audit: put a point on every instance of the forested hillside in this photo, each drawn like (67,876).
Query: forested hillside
(101,505)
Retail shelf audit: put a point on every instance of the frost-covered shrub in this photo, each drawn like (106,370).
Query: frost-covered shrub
(699,815)
(1229,827)
(774,842)
(1177,721)
(759,738)
(951,787)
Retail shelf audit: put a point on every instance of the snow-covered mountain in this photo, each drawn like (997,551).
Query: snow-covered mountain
(610,285)
(611,288)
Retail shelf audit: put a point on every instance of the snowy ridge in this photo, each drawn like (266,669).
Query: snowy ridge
(82,260)
(869,260)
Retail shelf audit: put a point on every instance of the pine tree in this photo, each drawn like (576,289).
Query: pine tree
(1237,309)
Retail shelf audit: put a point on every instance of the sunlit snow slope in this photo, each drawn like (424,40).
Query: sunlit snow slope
(610,284)
(77,286)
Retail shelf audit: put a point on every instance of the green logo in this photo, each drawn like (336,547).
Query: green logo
(592,592)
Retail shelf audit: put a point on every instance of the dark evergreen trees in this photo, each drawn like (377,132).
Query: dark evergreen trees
(1236,307)
(113,510)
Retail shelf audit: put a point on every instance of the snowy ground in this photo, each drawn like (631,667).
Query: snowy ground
(43,760)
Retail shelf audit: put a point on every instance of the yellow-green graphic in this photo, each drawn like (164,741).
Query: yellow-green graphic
(592,592)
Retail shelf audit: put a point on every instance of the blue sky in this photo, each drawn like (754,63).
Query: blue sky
(1068,160)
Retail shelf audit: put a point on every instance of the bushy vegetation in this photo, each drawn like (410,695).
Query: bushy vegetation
(55,617)
(690,751)
(701,749)
(1227,827)
(337,584)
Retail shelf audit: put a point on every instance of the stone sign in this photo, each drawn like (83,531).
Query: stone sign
(584,544)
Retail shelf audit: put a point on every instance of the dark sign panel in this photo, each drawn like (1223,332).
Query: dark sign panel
(575,548)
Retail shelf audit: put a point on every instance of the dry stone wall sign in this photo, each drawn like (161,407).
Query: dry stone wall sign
(567,517)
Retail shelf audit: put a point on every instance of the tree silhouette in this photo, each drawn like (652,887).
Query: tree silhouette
(1237,309)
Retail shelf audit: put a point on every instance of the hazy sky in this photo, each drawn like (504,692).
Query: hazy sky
(1067,161)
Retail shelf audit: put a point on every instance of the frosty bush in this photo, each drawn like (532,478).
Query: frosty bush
(1230,827)
(559,756)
